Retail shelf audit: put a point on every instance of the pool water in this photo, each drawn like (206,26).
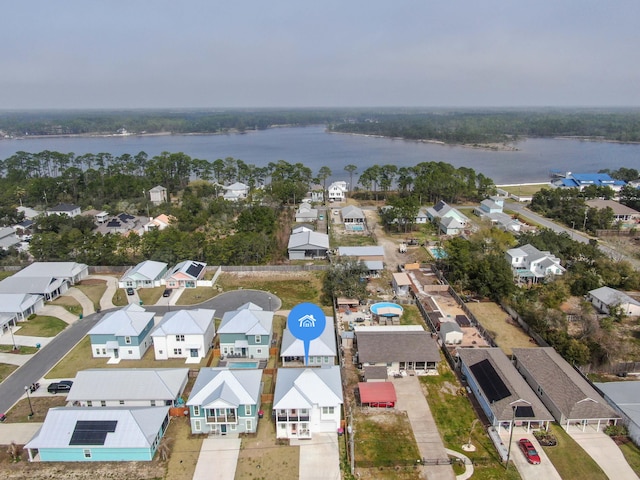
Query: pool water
(386,309)
(356,228)
(233,365)
(438,253)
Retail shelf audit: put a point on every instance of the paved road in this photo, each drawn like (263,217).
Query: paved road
(12,388)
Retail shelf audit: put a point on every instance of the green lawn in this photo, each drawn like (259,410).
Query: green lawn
(68,303)
(94,289)
(5,274)
(632,454)
(6,370)
(22,350)
(41,326)
(454,417)
(570,460)
(525,190)
(150,296)
(120,298)
(411,316)
(193,296)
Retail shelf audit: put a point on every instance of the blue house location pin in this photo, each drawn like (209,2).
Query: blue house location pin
(306,322)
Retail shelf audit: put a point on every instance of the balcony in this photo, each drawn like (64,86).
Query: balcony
(228,418)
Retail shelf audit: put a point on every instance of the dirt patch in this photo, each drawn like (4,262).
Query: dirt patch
(92,281)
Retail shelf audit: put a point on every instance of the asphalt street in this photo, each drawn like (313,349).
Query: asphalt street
(13,387)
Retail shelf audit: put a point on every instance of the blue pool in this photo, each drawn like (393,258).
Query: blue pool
(242,365)
(386,309)
(438,253)
(356,228)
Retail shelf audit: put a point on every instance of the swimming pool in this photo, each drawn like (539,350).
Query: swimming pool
(355,227)
(386,309)
(438,253)
(239,365)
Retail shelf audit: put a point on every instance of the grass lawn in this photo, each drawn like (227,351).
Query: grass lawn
(570,460)
(94,289)
(5,274)
(22,350)
(263,457)
(290,287)
(632,454)
(525,190)
(40,326)
(19,413)
(507,335)
(68,303)
(411,316)
(193,296)
(185,449)
(6,370)
(120,298)
(351,240)
(454,416)
(150,296)
(80,359)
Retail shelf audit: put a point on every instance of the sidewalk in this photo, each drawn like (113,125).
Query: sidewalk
(86,304)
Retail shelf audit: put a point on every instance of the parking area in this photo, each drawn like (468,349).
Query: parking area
(319,457)
(605,452)
(218,459)
(527,471)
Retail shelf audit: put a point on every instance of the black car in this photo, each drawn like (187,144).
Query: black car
(57,387)
(166,292)
(130,291)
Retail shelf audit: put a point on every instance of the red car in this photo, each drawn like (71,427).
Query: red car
(529,451)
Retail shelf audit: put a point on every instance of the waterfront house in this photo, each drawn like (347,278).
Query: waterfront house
(584,180)
(604,299)
(147,274)
(77,434)
(64,209)
(246,332)
(337,191)
(307,401)
(225,401)
(306,244)
(530,264)
(184,334)
(122,334)
(185,274)
(236,191)
(128,387)
(322,350)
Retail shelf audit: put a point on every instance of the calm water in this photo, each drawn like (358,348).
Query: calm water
(315,148)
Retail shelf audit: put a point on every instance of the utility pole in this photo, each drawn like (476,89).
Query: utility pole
(513,424)
(584,224)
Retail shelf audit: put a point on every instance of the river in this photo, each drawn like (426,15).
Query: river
(315,148)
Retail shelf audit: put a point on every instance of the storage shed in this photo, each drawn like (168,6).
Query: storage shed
(377,394)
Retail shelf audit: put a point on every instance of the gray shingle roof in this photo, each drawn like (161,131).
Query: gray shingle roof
(376,347)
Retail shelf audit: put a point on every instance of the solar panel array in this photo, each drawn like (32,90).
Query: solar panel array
(524,411)
(489,381)
(195,269)
(92,432)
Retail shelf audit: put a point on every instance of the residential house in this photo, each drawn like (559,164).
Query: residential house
(491,209)
(72,272)
(246,332)
(448,219)
(306,214)
(604,299)
(398,350)
(450,333)
(401,284)
(236,191)
(422,217)
(367,253)
(158,195)
(122,223)
(352,214)
(317,196)
(185,274)
(307,401)
(65,209)
(584,180)
(77,434)
(307,244)
(322,350)
(570,398)
(147,274)
(502,393)
(625,217)
(225,401)
(15,307)
(29,213)
(123,334)
(184,334)
(24,230)
(624,398)
(47,279)
(160,222)
(530,264)
(337,191)
(128,387)
(8,238)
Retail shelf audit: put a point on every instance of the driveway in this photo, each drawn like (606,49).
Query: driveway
(218,459)
(87,305)
(605,452)
(319,457)
(544,471)
(412,400)
(106,301)
(58,312)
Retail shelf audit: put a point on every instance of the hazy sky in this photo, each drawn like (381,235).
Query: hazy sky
(297,53)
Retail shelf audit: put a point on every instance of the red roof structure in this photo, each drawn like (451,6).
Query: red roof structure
(377,394)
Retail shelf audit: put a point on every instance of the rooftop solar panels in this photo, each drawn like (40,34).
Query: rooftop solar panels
(195,269)
(92,432)
(114,223)
(489,381)
(524,411)
(463,321)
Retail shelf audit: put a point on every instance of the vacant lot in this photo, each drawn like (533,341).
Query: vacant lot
(506,333)
(525,190)
(194,296)
(41,326)
(184,449)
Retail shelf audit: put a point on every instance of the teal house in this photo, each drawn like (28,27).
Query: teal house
(123,334)
(225,401)
(78,434)
(246,332)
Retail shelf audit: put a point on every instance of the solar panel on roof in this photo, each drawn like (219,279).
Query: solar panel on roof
(113,223)
(489,381)
(195,269)
(92,432)
(524,411)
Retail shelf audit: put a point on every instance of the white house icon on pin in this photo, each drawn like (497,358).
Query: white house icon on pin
(307,321)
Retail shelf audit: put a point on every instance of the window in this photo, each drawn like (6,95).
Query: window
(159,352)
(258,351)
(248,425)
(87,453)
(179,338)
(233,427)
(196,410)
(130,352)
(121,402)
(103,403)
(89,403)
(104,351)
(197,425)
(326,359)
(327,410)
(258,338)
(127,340)
(247,409)
(177,351)
(153,403)
(97,351)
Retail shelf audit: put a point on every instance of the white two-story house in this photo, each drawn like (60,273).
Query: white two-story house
(184,334)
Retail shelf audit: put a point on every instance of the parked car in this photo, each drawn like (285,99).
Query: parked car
(167,292)
(130,291)
(57,387)
(529,451)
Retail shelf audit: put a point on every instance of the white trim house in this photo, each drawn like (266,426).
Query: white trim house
(322,350)
(122,334)
(147,274)
(246,332)
(606,298)
(184,334)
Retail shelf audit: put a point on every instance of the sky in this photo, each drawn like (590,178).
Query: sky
(74,54)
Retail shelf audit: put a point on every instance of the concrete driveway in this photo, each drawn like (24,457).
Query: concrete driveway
(218,459)
(87,305)
(545,470)
(319,457)
(605,452)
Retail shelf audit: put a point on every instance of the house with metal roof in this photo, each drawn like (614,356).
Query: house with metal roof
(246,332)
(236,191)
(450,333)
(398,349)
(365,253)
(322,350)
(67,209)
(185,274)
(570,398)
(306,214)
(401,283)
(584,180)
(158,195)
(307,244)
(77,434)
(503,394)
(624,398)
(147,274)
(307,401)
(184,334)
(8,238)
(47,287)
(122,334)
(449,220)
(15,307)
(337,191)
(72,272)
(352,214)
(604,299)
(225,401)
(128,387)
(530,264)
